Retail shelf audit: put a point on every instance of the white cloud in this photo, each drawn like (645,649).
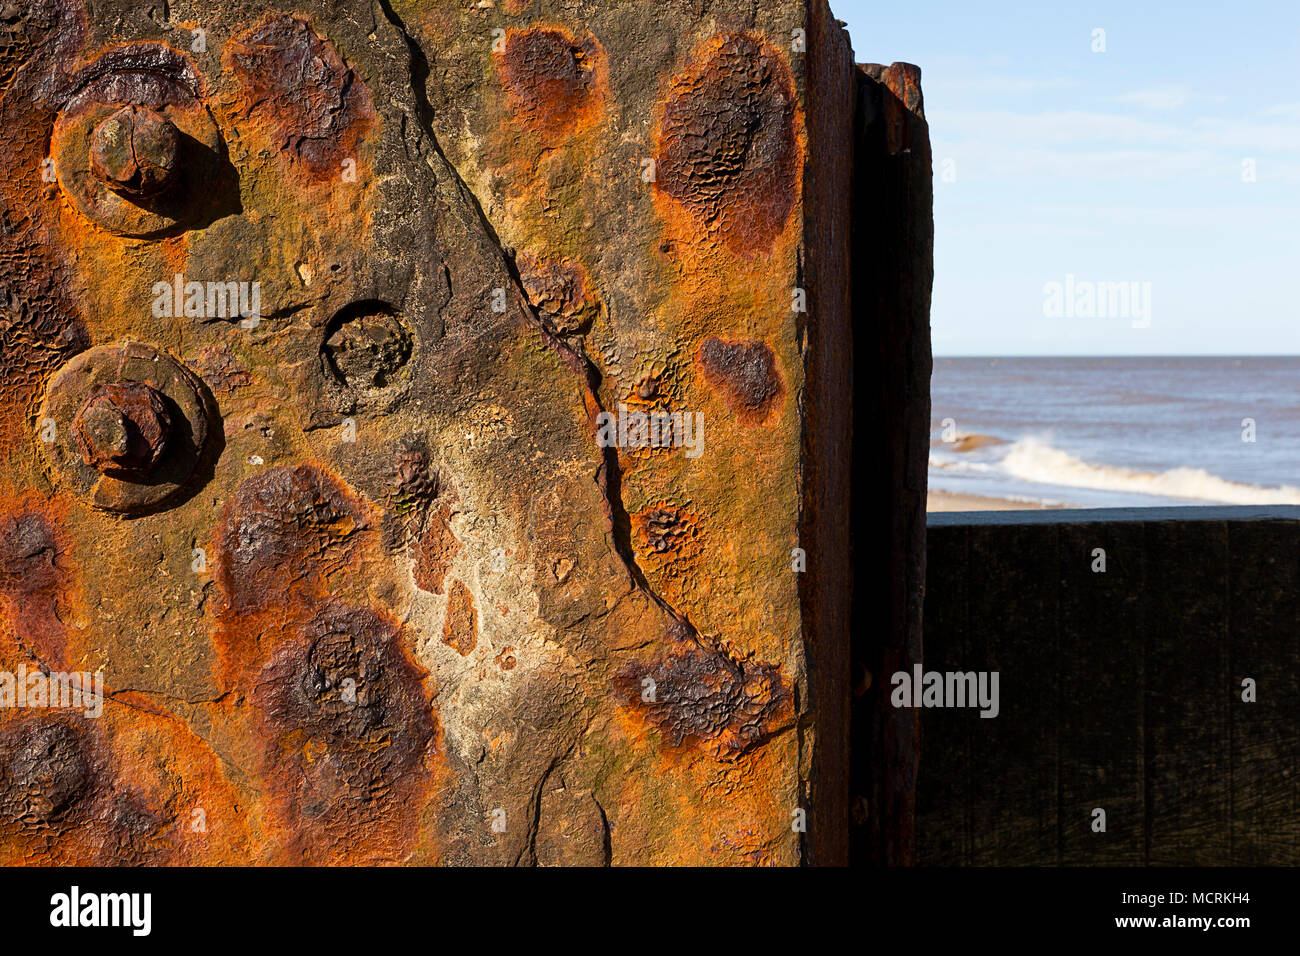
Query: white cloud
(1286,110)
(1159,98)
(1052,127)
(990,84)
(1080,145)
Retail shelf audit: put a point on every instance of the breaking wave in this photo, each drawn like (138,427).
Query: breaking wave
(1032,459)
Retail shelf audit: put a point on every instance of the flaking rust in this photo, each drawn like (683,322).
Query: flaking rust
(746,374)
(696,694)
(330,515)
(294,83)
(350,738)
(727,150)
(556,80)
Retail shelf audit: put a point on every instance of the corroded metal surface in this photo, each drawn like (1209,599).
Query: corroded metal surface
(314,322)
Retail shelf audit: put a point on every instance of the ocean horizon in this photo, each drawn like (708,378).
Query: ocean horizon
(1114,431)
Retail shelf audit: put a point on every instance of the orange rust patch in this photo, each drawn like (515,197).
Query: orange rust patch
(31,556)
(102,792)
(221,371)
(315,108)
(745,372)
(435,549)
(38,333)
(289,539)
(460,630)
(726,144)
(283,533)
(348,729)
(35,573)
(697,694)
(556,82)
(667,534)
(40,323)
(559,293)
(350,739)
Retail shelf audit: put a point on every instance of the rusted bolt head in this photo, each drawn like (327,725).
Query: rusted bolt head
(136,151)
(122,429)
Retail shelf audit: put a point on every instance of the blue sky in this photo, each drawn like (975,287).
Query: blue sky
(1123,166)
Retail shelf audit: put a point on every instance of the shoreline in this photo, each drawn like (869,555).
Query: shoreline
(954,501)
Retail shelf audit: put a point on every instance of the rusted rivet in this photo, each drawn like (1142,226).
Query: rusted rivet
(122,429)
(125,426)
(136,151)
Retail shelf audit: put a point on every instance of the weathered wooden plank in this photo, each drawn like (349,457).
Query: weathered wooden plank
(1145,661)
(1187,751)
(1012,783)
(942,814)
(1100,714)
(1263,611)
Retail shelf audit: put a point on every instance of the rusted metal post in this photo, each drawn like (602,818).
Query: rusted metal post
(432,424)
(893,240)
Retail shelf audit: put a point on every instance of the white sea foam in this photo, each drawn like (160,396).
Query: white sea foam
(958,466)
(1032,459)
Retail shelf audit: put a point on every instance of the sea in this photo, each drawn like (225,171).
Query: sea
(1118,432)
